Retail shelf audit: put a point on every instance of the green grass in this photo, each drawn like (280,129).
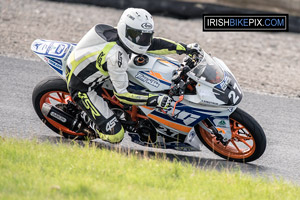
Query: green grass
(32,170)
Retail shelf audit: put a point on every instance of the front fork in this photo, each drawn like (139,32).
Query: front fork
(218,126)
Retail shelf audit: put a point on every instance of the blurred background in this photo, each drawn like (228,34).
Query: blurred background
(186,9)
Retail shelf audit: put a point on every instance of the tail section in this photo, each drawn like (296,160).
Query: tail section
(54,53)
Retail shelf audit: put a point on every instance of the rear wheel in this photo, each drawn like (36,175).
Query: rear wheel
(248,140)
(53,90)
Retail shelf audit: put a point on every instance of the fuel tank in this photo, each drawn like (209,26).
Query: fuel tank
(151,72)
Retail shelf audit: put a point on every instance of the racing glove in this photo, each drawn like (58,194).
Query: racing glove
(161,101)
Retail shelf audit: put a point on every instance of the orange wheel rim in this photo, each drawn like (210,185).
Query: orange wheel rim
(241,145)
(53,98)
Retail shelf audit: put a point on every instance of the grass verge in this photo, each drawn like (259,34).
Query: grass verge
(30,170)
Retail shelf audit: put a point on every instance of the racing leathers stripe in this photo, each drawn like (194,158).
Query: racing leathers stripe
(162,46)
(134,97)
(91,71)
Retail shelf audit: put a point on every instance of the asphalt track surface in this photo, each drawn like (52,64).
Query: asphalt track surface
(279,117)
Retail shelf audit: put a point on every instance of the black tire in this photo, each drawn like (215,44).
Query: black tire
(252,127)
(49,84)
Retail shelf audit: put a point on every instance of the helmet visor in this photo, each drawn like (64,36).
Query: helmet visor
(139,37)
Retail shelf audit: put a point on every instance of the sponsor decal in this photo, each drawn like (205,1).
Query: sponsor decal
(225,82)
(186,117)
(146,79)
(222,131)
(37,45)
(40,47)
(209,102)
(60,48)
(88,121)
(53,62)
(152,101)
(45,47)
(69,52)
(146,25)
(120,59)
(57,116)
(100,57)
(111,124)
(58,61)
(191,136)
(230,109)
(131,17)
(52,49)
(88,104)
(222,123)
(57,49)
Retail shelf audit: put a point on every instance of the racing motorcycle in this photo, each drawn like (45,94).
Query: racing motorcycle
(205,93)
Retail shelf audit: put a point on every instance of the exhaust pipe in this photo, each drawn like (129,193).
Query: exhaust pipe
(61,117)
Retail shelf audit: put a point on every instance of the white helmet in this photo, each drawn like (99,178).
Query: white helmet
(135,29)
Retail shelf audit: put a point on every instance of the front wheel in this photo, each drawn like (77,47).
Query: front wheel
(248,140)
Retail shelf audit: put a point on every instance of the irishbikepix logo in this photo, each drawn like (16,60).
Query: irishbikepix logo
(248,22)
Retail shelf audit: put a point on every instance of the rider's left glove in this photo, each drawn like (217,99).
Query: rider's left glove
(161,101)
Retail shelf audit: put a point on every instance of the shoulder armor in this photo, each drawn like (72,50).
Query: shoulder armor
(106,32)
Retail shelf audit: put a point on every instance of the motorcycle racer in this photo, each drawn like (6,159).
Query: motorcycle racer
(103,53)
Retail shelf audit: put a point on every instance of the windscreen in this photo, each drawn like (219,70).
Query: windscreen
(207,70)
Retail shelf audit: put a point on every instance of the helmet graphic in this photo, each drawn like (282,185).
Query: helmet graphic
(135,29)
